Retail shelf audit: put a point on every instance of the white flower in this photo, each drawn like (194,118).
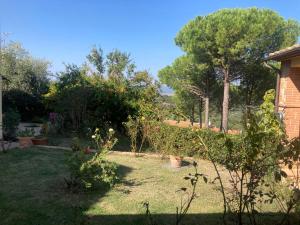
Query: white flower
(93,136)
(97,129)
(110,130)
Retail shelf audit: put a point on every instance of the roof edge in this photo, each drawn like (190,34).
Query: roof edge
(285,54)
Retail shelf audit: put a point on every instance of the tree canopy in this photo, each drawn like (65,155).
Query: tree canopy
(232,39)
(23,71)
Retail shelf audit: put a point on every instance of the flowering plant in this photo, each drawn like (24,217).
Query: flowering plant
(95,171)
(104,145)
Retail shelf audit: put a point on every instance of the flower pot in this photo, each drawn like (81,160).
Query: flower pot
(25,142)
(40,141)
(176,161)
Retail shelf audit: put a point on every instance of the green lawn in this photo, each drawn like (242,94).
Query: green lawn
(32,192)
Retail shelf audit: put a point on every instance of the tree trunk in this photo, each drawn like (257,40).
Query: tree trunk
(206,112)
(225,103)
(192,114)
(221,122)
(200,112)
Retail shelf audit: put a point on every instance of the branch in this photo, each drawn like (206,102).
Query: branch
(195,90)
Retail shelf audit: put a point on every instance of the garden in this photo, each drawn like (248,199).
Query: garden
(95,144)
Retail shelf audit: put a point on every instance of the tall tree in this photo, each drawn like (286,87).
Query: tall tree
(119,64)
(24,72)
(145,90)
(69,95)
(231,38)
(254,84)
(192,82)
(96,59)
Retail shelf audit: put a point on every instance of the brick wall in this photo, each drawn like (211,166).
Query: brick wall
(289,99)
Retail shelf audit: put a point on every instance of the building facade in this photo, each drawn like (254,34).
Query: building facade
(288,88)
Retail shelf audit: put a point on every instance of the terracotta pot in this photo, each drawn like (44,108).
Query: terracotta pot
(176,161)
(40,141)
(25,142)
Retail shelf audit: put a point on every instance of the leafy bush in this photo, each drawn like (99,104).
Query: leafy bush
(179,141)
(98,172)
(28,105)
(252,160)
(137,132)
(11,121)
(76,144)
(253,163)
(92,172)
(85,101)
(26,133)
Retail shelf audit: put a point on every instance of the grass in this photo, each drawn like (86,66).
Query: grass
(32,192)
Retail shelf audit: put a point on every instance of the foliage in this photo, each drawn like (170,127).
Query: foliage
(137,132)
(69,96)
(133,130)
(252,162)
(24,72)
(96,58)
(232,39)
(28,105)
(110,104)
(26,132)
(11,121)
(76,145)
(118,63)
(92,172)
(249,161)
(87,101)
(26,80)
(98,172)
(254,83)
(180,141)
(104,144)
(185,74)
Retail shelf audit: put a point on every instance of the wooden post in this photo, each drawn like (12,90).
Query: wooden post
(200,112)
(206,111)
(277,92)
(192,114)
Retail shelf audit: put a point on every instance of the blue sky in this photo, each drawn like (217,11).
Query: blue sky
(65,30)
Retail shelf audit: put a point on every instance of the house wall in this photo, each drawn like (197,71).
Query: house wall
(289,96)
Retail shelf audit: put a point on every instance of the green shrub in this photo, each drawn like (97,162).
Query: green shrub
(97,172)
(84,101)
(28,105)
(11,121)
(180,141)
(137,131)
(90,172)
(76,144)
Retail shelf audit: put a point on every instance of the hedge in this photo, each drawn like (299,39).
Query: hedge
(168,139)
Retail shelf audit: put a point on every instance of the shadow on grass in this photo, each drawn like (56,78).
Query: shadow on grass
(189,219)
(32,192)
